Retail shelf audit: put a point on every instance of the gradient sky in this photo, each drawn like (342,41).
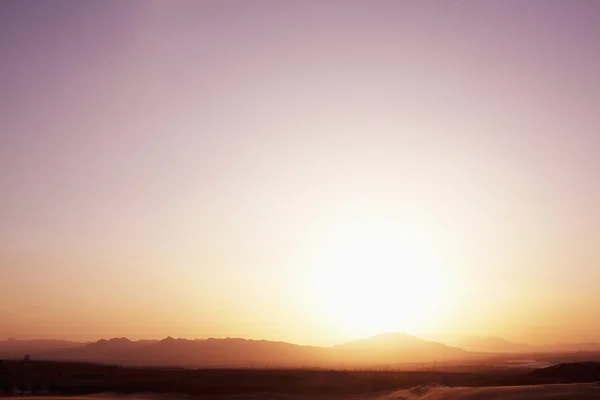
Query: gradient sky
(182,167)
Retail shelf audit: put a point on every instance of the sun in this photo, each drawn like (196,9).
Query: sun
(375,280)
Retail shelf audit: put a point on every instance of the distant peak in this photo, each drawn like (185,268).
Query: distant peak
(120,340)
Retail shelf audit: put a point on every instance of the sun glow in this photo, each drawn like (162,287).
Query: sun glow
(378,280)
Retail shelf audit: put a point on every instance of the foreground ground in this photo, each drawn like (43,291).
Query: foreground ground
(578,391)
(569,381)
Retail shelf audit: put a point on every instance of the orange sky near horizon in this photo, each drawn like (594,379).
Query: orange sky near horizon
(311,172)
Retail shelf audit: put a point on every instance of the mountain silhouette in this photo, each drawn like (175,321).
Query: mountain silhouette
(384,349)
(229,352)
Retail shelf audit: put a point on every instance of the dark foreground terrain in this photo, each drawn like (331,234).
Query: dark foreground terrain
(46,378)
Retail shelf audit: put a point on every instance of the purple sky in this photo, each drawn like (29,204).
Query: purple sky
(199,151)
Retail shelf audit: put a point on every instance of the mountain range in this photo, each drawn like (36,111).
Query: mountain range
(385,349)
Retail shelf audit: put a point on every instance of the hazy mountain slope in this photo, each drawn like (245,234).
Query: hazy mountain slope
(230,352)
(19,348)
(396,348)
(490,344)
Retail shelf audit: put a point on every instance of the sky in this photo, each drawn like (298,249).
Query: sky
(306,171)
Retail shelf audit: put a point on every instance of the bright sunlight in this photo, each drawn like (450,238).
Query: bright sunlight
(378,279)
